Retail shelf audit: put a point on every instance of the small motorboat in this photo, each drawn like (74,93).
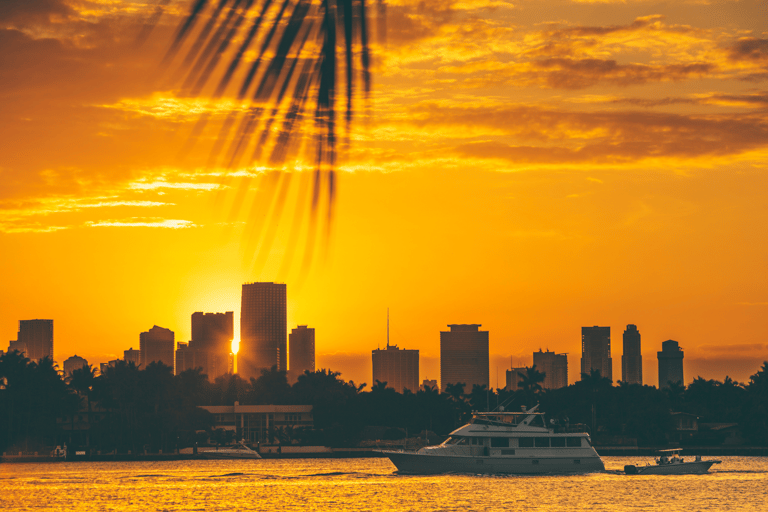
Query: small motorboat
(238,451)
(671,463)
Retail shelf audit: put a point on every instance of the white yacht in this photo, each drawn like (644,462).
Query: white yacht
(504,442)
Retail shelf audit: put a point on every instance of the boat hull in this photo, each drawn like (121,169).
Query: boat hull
(420,464)
(684,468)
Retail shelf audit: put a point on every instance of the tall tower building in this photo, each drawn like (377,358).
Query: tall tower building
(211,344)
(301,351)
(555,368)
(464,356)
(596,351)
(399,368)
(37,335)
(74,363)
(670,363)
(263,329)
(514,378)
(156,345)
(632,359)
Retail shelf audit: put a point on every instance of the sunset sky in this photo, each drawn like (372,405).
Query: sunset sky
(532,166)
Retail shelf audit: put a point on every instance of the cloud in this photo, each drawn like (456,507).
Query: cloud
(146,223)
(750,48)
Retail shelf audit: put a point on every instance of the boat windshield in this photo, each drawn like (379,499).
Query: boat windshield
(455,440)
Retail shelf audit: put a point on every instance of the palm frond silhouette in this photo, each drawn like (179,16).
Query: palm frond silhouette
(283,62)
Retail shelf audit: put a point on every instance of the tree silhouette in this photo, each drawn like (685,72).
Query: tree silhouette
(530,383)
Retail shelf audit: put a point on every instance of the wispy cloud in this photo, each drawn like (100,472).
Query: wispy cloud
(146,223)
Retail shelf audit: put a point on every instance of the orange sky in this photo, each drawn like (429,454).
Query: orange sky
(533,166)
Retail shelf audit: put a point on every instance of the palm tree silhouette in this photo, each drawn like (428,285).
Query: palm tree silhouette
(286,95)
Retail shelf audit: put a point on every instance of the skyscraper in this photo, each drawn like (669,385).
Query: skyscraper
(464,356)
(514,378)
(670,363)
(399,368)
(596,351)
(211,343)
(301,351)
(632,359)
(74,363)
(156,345)
(555,368)
(263,329)
(37,335)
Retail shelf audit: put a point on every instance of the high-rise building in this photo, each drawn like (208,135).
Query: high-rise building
(132,356)
(38,337)
(670,363)
(156,345)
(632,359)
(301,351)
(514,377)
(464,356)
(110,364)
(74,363)
(212,338)
(189,358)
(555,368)
(596,351)
(399,368)
(263,329)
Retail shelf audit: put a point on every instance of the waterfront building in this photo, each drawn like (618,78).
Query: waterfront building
(514,377)
(554,367)
(74,363)
(132,356)
(596,351)
(632,359)
(263,329)
(211,341)
(259,423)
(156,345)
(399,368)
(37,335)
(670,363)
(301,351)
(110,364)
(464,356)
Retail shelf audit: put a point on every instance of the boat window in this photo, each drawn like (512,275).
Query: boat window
(541,442)
(499,442)
(508,451)
(573,442)
(525,442)
(463,440)
(557,442)
(477,440)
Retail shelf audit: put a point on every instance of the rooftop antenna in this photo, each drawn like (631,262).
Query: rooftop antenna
(387,328)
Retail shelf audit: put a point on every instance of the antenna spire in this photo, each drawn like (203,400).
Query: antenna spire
(387,327)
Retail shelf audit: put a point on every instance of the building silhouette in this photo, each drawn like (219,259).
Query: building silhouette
(132,356)
(74,363)
(110,364)
(429,383)
(18,346)
(596,351)
(514,378)
(555,368)
(210,346)
(670,363)
(156,345)
(399,368)
(301,351)
(263,329)
(632,359)
(464,356)
(37,335)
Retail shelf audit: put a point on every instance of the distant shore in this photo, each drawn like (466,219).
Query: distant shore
(347,453)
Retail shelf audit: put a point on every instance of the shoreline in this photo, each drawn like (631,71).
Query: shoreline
(352,453)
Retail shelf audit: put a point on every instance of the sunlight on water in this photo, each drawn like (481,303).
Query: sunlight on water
(367,484)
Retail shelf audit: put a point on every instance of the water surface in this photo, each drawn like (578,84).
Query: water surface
(739,483)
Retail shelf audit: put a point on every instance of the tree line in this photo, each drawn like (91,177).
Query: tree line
(134,409)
